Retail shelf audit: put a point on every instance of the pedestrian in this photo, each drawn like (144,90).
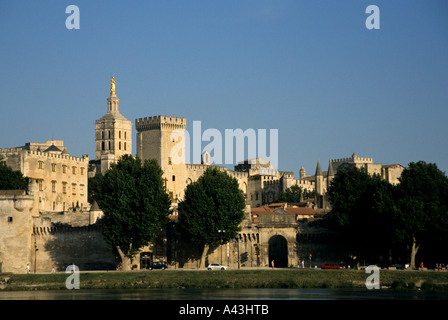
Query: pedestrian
(303,264)
(27,268)
(272,264)
(53,268)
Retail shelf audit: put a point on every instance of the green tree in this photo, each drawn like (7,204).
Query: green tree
(212,210)
(292,194)
(135,205)
(422,212)
(362,205)
(12,179)
(295,193)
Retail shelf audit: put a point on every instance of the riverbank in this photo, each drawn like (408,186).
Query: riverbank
(252,278)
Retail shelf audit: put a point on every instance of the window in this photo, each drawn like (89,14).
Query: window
(102,146)
(119,145)
(74,189)
(119,134)
(53,186)
(53,167)
(82,171)
(41,164)
(109,134)
(125,146)
(41,188)
(64,187)
(54,205)
(109,146)
(174,178)
(64,168)
(125,135)
(9,219)
(74,170)
(169,160)
(102,134)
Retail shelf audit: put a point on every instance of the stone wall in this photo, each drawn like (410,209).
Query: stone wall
(16,208)
(62,246)
(60,181)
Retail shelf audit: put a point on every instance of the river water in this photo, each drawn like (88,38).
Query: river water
(223,294)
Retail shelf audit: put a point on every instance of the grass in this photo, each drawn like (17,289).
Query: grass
(253,278)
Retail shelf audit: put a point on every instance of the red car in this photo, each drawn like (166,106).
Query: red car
(330,266)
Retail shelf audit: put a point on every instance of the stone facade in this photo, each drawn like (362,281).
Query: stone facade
(60,179)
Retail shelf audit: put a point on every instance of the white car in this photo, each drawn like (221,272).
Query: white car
(217,266)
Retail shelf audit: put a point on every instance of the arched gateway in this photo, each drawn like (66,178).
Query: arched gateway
(278,251)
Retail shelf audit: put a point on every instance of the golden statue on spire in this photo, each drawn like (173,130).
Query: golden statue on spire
(112,86)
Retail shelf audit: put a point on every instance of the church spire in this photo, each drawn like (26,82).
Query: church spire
(330,169)
(318,169)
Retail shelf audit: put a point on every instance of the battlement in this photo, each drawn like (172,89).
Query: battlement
(85,158)
(160,122)
(271,183)
(287,174)
(11,150)
(353,159)
(42,231)
(238,174)
(17,151)
(202,167)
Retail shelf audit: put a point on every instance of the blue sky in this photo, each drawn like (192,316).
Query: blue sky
(310,69)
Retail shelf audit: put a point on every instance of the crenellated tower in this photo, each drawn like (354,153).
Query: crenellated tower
(163,138)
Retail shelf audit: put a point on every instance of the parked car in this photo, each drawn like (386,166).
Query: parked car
(330,266)
(157,265)
(217,266)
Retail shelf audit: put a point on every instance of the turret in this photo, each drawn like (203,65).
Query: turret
(302,173)
(319,178)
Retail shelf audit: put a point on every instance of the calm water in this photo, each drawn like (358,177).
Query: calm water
(224,294)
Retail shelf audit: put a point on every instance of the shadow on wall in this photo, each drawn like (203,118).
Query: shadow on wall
(62,245)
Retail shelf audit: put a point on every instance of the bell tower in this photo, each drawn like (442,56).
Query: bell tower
(113,133)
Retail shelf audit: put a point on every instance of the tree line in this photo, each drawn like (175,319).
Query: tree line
(380,221)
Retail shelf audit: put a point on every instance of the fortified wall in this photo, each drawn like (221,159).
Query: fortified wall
(49,240)
(16,210)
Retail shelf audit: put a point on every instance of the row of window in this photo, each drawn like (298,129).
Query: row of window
(64,187)
(74,169)
(103,146)
(110,135)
